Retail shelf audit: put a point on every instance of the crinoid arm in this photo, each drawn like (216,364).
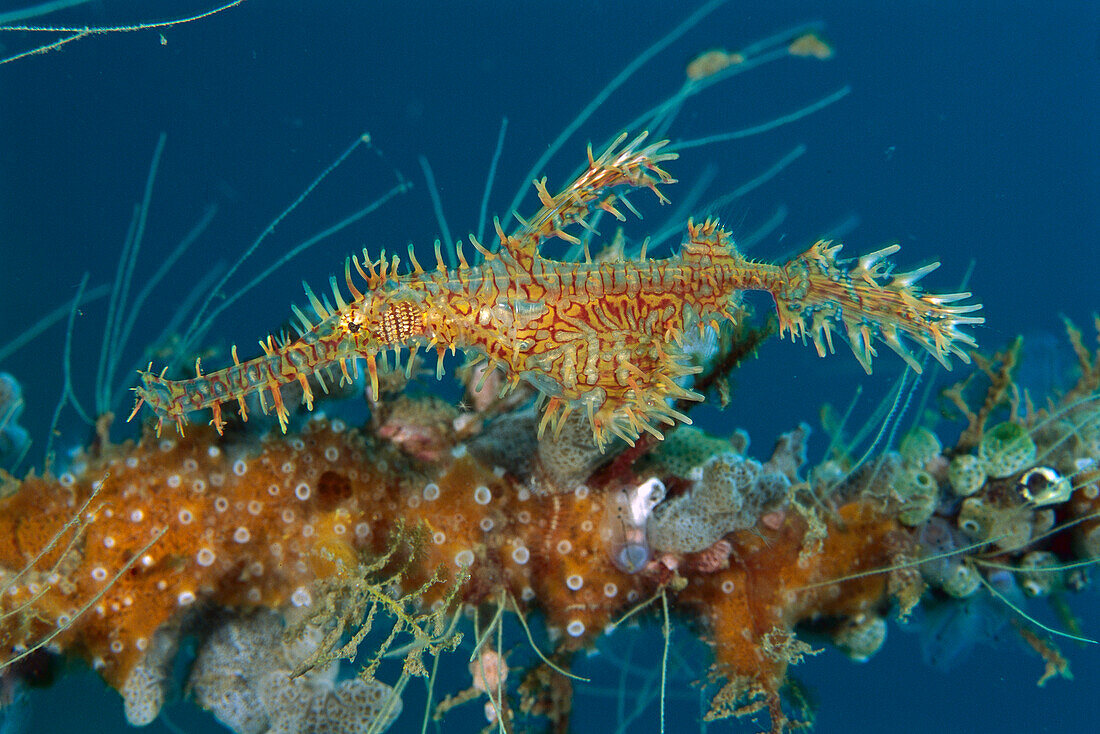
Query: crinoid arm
(867,301)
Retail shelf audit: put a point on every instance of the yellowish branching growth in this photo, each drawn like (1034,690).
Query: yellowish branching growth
(351,599)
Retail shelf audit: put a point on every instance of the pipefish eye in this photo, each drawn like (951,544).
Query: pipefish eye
(354,327)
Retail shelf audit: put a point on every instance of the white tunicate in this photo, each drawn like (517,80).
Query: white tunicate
(624,524)
(301,597)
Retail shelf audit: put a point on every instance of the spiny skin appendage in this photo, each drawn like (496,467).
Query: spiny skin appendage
(602,337)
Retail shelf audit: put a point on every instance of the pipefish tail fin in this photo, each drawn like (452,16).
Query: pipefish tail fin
(867,302)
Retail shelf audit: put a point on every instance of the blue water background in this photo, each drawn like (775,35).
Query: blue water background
(969,136)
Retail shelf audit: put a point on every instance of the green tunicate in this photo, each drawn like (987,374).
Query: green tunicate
(976,519)
(919,495)
(684,450)
(1087,542)
(966,474)
(919,446)
(1038,573)
(1008,527)
(862,637)
(962,582)
(914,482)
(1088,440)
(916,510)
(1006,449)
